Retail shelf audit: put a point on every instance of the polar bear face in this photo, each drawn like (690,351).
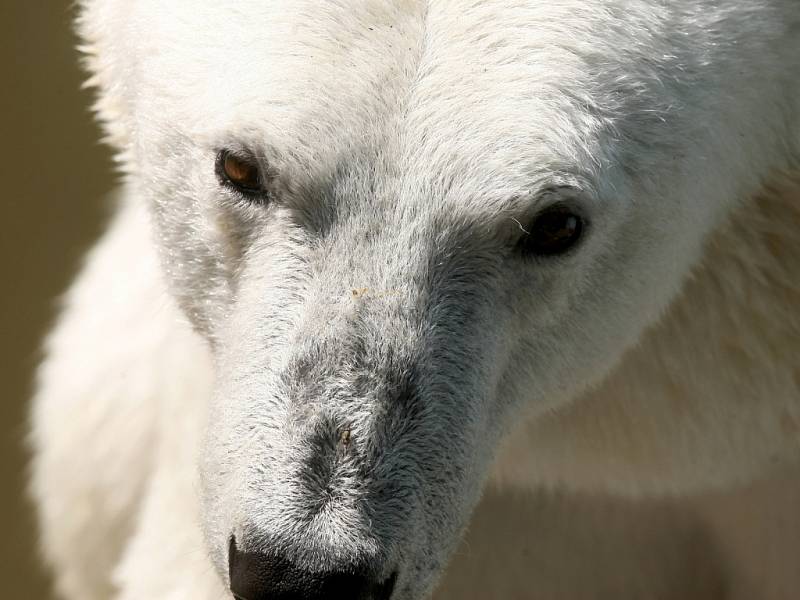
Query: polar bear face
(402,227)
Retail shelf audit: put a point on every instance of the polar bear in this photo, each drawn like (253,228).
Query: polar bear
(371,256)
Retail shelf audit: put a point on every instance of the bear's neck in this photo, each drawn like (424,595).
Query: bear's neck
(711,395)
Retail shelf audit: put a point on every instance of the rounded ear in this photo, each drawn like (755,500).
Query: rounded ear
(108,56)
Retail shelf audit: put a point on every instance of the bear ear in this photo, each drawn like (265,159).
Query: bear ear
(102,26)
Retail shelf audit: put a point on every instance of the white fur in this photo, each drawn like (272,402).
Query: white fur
(407,143)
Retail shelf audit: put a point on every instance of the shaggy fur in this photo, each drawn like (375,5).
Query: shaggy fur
(213,353)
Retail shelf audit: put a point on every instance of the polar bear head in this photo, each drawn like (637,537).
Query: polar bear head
(404,226)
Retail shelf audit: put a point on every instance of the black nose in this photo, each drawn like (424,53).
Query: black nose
(257,576)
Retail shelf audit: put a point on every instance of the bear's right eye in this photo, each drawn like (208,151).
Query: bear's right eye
(241,173)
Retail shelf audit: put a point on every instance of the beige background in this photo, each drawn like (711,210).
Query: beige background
(54,176)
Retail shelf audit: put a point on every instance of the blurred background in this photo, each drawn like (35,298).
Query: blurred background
(56,177)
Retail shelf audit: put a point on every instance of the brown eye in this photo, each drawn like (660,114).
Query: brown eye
(553,231)
(241,173)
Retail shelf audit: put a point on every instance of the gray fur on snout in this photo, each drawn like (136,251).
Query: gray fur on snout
(389,369)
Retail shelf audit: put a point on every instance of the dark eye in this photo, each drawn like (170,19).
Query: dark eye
(240,172)
(553,231)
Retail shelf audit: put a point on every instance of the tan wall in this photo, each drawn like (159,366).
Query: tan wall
(54,178)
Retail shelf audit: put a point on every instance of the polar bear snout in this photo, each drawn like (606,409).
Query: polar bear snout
(261,576)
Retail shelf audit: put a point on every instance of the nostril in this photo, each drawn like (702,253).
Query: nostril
(259,576)
(383,590)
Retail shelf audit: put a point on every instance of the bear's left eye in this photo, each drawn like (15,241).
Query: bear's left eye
(553,231)
(240,172)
